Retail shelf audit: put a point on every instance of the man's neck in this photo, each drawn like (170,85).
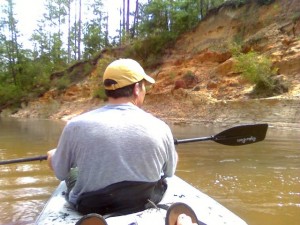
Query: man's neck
(119,101)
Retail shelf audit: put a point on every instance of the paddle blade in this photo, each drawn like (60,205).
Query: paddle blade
(242,135)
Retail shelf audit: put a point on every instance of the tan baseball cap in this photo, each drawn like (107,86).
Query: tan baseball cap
(125,72)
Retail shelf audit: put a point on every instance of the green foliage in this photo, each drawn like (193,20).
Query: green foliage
(236,2)
(79,70)
(87,68)
(102,64)
(34,76)
(296,17)
(189,75)
(176,17)
(258,70)
(172,75)
(184,16)
(96,78)
(31,80)
(239,2)
(235,48)
(10,95)
(150,49)
(94,40)
(100,93)
(265,2)
(152,61)
(63,82)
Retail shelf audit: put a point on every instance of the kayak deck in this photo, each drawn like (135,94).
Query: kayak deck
(58,211)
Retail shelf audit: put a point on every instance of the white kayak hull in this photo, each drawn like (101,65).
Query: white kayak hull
(58,211)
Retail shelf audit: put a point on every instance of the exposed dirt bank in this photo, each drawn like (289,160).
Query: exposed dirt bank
(277,112)
(280,113)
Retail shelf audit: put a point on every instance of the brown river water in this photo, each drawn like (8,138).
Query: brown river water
(258,182)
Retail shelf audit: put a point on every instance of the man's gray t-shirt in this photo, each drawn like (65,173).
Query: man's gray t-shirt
(112,144)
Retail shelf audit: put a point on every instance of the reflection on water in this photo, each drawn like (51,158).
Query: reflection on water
(26,186)
(259,182)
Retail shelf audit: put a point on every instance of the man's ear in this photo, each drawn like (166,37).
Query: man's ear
(136,89)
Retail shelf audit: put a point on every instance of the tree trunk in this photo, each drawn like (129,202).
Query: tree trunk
(135,19)
(124,15)
(120,29)
(69,31)
(201,8)
(79,31)
(12,47)
(120,25)
(106,31)
(127,20)
(75,32)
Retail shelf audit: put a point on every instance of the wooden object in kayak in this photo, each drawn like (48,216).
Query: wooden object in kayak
(57,211)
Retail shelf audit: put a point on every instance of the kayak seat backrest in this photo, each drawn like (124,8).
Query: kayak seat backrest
(121,198)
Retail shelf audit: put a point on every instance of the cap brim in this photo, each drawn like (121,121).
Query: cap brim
(149,79)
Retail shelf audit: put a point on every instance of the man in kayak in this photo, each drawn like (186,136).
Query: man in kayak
(114,159)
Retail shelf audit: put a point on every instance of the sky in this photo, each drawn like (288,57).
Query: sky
(27,18)
(28,12)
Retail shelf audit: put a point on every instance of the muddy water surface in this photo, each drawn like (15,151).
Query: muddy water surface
(259,182)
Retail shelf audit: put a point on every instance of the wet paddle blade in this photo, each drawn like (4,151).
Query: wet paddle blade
(242,135)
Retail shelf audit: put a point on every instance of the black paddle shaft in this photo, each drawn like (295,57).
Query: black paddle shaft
(11,161)
(235,136)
